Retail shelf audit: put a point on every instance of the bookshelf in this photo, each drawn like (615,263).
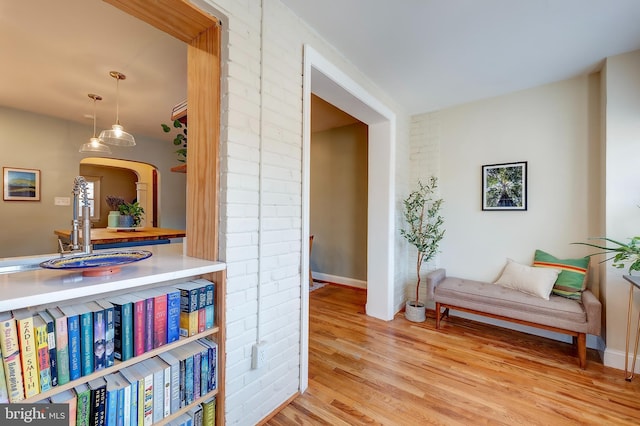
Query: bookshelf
(41,289)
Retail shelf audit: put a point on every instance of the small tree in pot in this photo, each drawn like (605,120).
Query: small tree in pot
(422,213)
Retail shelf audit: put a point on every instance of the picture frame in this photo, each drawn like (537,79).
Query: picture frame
(20,184)
(504,186)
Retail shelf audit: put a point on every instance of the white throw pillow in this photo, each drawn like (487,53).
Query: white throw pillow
(528,279)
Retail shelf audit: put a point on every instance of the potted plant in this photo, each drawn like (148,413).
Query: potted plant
(180,139)
(114,202)
(622,253)
(131,214)
(424,232)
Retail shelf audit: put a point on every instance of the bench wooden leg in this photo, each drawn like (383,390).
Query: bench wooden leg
(582,350)
(437,315)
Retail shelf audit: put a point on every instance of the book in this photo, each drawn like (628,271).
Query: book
(210,306)
(109,342)
(67,397)
(209,411)
(132,418)
(42,352)
(159,318)
(124,401)
(114,404)
(174,391)
(139,323)
(189,293)
(53,353)
(202,303)
(61,336)
(149,316)
(98,398)
(158,387)
(173,313)
(28,354)
(123,328)
(99,335)
(195,413)
(83,404)
(4,393)
(213,362)
(85,317)
(73,339)
(145,394)
(12,365)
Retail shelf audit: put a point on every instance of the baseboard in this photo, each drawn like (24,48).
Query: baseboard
(278,409)
(349,282)
(615,359)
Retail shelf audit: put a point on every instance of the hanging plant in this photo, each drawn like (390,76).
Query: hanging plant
(180,139)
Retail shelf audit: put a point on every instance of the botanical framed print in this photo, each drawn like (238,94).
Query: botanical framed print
(21,184)
(504,186)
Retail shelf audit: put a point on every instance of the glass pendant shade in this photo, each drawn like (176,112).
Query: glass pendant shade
(95,144)
(116,135)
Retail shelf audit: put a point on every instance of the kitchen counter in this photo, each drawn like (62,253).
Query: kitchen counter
(109,236)
(46,286)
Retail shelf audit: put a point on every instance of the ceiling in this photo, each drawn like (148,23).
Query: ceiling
(54,53)
(426,54)
(431,54)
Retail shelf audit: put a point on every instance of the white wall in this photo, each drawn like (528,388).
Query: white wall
(555,129)
(261,195)
(622,190)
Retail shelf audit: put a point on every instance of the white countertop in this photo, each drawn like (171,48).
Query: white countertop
(46,286)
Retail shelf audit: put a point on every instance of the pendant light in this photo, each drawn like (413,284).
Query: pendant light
(95,144)
(116,135)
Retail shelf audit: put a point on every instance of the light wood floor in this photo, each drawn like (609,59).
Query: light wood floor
(367,371)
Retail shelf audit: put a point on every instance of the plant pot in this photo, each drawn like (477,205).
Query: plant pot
(415,312)
(113,219)
(125,221)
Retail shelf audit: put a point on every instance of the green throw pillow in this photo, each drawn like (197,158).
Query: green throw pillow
(573,278)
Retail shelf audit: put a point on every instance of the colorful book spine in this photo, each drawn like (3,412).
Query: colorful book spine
(61,344)
(209,412)
(174,394)
(189,293)
(99,336)
(86,339)
(202,313)
(111,402)
(173,314)
(159,319)
(73,329)
(197,363)
(83,405)
(132,417)
(139,325)
(109,332)
(158,388)
(123,328)
(98,399)
(28,353)
(210,306)
(42,353)
(53,353)
(147,396)
(12,365)
(67,397)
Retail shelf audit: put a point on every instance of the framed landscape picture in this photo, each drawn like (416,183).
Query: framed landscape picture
(21,184)
(504,186)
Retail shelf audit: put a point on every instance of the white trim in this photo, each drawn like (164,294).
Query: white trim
(349,282)
(615,359)
(335,87)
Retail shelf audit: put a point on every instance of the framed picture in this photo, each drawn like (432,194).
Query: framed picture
(504,186)
(21,184)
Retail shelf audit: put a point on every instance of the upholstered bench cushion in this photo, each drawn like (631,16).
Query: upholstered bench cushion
(557,312)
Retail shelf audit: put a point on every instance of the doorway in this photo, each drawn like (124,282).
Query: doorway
(326,81)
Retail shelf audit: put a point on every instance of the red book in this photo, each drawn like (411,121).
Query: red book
(139,324)
(159,317)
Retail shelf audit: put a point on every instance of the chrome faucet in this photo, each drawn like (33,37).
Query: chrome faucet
(80,192)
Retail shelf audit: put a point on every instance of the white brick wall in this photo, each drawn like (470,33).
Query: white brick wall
(261,197)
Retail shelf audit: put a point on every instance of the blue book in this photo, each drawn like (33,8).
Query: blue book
(188,398)
(109,331)
(53,353)
(123,328)
(209,306)
(173,313)
(204,371)
(73,330)
(86,338)
(111,404)
(212,359)
(99,346)
(129,376)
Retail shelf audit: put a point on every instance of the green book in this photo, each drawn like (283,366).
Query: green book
(62,344)
(83,405)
